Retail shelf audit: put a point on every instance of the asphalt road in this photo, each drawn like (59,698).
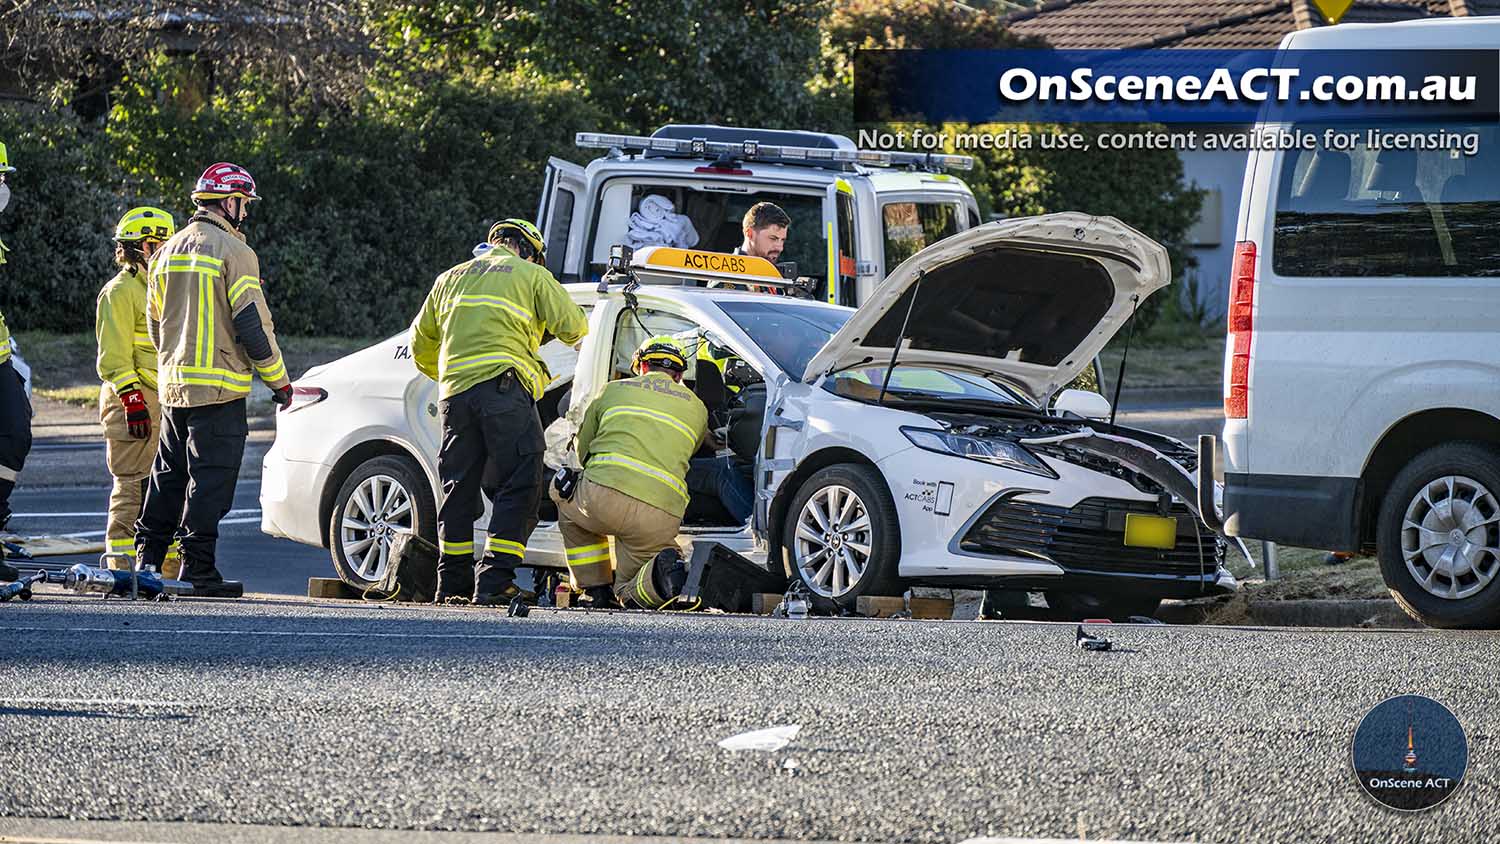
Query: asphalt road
(263,563)
(289,713)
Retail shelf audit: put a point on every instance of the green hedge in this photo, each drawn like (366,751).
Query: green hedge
(362,207)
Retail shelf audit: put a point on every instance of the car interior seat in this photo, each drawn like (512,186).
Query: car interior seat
(1326,182)
(1410,233)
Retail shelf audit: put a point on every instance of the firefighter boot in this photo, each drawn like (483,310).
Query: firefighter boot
(207,581)
(668,573)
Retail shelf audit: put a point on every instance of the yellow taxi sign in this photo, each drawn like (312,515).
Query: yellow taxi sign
(699,263)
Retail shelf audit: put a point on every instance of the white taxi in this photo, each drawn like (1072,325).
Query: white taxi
(926,437)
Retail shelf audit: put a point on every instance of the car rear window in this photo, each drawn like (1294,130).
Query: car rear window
(1380,211)
(911,226)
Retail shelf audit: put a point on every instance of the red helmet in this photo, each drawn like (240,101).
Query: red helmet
(224,180)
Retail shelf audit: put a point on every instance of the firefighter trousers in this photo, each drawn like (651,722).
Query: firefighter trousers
(192,486)
(641,531)
(15,433)
(129,461)
(491,432)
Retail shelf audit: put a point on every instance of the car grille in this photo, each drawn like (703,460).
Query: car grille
(1085,538)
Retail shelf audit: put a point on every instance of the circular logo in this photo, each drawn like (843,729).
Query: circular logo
(1410,753)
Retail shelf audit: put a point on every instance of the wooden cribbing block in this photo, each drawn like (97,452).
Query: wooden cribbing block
(879,606)
(764,603)
(562,598)
(329,587)
(931,608)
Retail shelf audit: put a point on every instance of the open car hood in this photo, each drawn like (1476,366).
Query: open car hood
(1030,301)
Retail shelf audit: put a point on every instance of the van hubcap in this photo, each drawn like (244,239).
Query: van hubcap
(832,545)
(377,512)
(1450,537)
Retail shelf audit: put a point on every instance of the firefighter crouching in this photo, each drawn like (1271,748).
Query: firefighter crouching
(128,405)
(634,444)
(478,336)
(209,321)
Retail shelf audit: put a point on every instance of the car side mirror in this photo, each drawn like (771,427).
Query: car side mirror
(1085,403)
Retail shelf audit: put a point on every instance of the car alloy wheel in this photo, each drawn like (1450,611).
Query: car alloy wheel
(833,541)
(1450,537)
(377,512)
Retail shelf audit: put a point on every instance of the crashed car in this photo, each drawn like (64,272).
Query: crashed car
(924,438)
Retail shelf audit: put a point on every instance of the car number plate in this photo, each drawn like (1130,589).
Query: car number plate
(1147,531)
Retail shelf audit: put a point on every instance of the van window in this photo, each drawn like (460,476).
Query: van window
(557,234)
(715,218)
(912,226)
(1374,211)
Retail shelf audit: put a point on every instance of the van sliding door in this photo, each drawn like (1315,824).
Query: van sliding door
(561,192)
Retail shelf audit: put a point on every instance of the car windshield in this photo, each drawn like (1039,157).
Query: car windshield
(790,334)
(863,383)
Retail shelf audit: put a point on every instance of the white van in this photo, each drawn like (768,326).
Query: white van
(856,214)
(1362,369)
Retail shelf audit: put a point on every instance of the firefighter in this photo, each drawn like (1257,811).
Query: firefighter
(15,410)
(634,445)
(128,406)
(208,319)
(478,336)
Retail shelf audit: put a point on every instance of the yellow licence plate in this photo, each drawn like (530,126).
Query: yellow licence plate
(1145,531)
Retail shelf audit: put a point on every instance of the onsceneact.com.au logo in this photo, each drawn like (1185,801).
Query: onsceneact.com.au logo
(1410,753)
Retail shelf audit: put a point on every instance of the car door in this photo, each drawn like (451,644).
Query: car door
(562,195)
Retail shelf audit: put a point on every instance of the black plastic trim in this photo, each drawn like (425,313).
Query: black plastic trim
(1303,510)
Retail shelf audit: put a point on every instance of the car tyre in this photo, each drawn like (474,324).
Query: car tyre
(382,498)
(845,511)
(1438,536)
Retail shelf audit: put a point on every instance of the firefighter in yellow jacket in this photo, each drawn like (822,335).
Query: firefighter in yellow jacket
(634,444)
(478,335)
(128,406)
(15,410)
(208,319)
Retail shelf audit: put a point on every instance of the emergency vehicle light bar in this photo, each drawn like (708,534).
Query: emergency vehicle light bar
(756,151)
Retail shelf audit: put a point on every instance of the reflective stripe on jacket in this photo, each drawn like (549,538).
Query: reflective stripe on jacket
(489,315)
(4,340)
(199,281)
(127,359)
(638,436)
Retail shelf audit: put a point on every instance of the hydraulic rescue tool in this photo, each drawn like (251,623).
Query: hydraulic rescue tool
(21,588)
(86,579)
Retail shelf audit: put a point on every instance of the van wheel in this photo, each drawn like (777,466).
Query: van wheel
(1438,536)
(842,536)
(382,498)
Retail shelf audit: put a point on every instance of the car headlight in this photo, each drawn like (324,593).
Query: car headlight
(998,452)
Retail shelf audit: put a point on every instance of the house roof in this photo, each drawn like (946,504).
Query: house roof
(1207,24)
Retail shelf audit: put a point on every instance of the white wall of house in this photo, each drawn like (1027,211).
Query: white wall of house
(1220,173)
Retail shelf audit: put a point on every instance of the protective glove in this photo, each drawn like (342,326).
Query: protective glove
(282,396)
(137,417)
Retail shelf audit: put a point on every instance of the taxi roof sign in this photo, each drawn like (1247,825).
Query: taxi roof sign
(696,263)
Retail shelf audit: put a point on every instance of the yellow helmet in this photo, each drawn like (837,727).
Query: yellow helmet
(5,161)
(145,223)
(528,232)
(664,351)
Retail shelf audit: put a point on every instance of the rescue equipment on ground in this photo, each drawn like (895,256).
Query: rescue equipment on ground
(1091,643)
